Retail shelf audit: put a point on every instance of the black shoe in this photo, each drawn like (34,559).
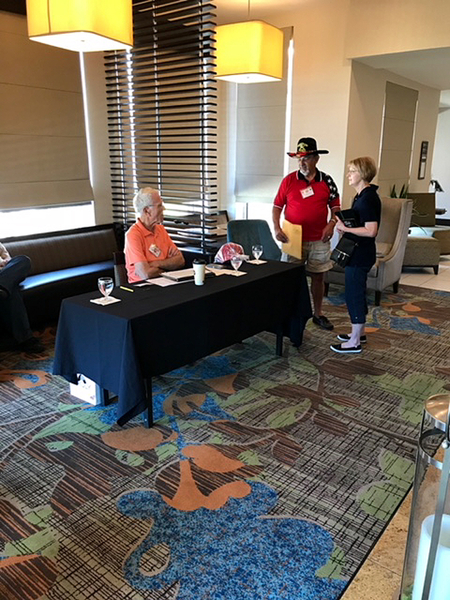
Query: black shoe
(323,322)
(344,337)
(340,350)
(3,293)
(31,346)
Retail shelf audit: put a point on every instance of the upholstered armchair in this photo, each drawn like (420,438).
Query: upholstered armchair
(391,244)
(248,232)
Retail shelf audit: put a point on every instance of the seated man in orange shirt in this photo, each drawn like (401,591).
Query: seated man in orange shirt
(148,248)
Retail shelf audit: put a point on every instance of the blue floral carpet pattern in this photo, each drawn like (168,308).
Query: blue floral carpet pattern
(263,478)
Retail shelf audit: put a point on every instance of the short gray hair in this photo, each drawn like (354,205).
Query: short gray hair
(144,198)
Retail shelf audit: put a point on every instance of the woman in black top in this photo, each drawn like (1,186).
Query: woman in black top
(367,206)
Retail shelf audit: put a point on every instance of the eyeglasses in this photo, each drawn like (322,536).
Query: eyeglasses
(307,158)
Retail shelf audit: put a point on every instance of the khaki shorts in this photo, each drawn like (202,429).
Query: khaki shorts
(315,256)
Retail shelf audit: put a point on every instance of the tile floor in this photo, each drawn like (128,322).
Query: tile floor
(380,576)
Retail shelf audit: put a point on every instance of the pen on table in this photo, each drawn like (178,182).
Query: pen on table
(122,287)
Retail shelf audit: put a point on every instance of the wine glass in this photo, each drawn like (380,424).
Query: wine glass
(236,261)
(105,285)
(257,251)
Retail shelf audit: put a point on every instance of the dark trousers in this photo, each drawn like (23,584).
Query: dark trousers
(355,293)
(13,313)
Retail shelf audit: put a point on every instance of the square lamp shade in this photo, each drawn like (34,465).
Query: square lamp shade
(249,52)
(81,25)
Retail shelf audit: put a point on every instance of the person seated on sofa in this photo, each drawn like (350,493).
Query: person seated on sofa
(148,248)
(13,313)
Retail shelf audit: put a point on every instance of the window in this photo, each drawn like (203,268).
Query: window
(162,118)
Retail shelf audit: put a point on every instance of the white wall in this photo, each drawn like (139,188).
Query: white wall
(390,26)
(365,119)
(97,132)
(441,162)
(325,102)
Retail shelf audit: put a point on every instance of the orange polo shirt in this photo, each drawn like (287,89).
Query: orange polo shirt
(142,245)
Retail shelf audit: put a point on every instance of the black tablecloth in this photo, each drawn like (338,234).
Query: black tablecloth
(154,330)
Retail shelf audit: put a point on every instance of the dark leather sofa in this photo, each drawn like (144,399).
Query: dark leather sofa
(64,263)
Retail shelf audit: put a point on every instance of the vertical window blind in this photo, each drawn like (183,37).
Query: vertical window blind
(162,106)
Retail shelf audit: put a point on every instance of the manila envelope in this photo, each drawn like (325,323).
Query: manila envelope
(294,246)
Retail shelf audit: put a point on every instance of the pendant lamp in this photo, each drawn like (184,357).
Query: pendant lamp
(249,52)
(81,25)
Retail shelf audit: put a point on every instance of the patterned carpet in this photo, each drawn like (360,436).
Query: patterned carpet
(264,478)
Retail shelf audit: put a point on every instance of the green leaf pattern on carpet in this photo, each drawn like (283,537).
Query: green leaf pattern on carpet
(56,446)
(414,390)
(40,517)
(250,458)
(129,458)
(43,542)
(165,451)
(81,421)
(333,568)
(381,498)
(289,415)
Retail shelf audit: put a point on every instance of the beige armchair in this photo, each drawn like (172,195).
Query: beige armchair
(391,244)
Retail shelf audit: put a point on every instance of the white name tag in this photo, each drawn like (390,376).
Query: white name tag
(155,250)
(307,192)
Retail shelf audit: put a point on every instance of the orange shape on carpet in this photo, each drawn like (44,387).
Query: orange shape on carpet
(19,379)
(183,403)
(211,459)
(223,385)
(137,439)
(189,497)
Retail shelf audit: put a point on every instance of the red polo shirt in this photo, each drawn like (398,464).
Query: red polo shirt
(306,203)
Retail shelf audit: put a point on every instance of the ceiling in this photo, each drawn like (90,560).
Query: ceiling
(429,67)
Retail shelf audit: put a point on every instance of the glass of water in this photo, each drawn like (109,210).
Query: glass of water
(236,261)
(105,285)
(257,251)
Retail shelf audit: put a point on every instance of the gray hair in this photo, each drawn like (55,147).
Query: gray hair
(144,198)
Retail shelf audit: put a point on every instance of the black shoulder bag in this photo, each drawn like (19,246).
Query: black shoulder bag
(343,251)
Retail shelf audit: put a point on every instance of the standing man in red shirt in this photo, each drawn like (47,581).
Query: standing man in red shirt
(148,248)
(309,198)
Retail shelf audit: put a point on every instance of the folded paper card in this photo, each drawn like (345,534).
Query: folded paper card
(294,233)
(105,301)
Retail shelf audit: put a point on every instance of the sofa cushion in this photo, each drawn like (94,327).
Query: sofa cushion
(53,253)
(42,279)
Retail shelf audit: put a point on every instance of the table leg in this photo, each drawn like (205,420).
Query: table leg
(148,412)
(102,396)
(279,345)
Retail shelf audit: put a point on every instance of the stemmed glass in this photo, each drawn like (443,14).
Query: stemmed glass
(236,261)
(257,251)
(105,285)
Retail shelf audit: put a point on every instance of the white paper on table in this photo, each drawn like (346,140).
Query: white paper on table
(162,281)
(215,271)
(105,301)
(257,262)
(233,272)
(143,283)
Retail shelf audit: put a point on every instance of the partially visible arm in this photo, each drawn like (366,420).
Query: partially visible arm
(279,233)
(174,260)
(369,229)
(328,230)
(334,204)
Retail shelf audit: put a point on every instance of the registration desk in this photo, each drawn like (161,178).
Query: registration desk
(156,329)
